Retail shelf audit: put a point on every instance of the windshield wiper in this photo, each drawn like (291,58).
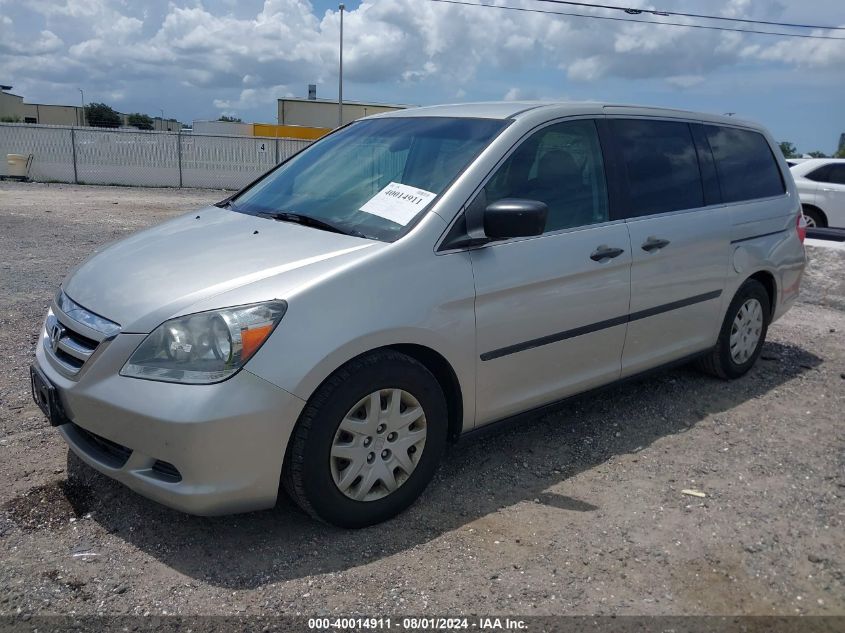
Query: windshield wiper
(307,220)
(226,203)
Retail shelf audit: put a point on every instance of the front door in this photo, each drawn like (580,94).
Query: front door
(551,310)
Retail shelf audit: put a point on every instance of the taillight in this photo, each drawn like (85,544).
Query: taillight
(801,227)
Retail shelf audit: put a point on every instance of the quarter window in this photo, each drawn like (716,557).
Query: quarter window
(746,166)
(837,174)
(661,165)
(562,166)
(820,174)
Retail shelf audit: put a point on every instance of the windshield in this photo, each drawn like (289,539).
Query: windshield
(374,177)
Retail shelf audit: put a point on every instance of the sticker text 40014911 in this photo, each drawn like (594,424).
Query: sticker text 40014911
(398,203)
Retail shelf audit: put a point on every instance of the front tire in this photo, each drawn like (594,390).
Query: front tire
(742,335)
(368,441)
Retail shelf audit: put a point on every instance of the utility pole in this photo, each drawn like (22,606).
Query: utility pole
(341,6)
(82,96)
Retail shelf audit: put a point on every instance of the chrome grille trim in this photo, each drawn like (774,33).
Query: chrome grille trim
(70,341)
(87,319)
(72,348)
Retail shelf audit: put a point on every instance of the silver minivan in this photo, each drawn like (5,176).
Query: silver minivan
(409,278)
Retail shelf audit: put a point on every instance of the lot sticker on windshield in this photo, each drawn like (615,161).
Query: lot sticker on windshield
(398,203)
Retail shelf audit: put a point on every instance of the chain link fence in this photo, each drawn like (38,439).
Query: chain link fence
(151,159)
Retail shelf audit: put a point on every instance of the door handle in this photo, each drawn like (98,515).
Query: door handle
(604,253)
(653,244)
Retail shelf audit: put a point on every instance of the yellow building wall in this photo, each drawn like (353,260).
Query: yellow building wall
(289,131)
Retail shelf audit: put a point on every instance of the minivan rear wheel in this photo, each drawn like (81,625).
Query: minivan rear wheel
(742,335)
(368,441)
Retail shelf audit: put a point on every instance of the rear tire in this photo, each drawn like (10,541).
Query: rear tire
(336,422)
(814,217)
(742,335)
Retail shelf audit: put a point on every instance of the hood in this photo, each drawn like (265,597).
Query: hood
(152,275)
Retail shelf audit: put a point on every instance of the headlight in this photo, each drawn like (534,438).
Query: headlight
(205,347)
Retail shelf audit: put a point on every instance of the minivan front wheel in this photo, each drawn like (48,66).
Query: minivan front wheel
(743,333)
(368,441)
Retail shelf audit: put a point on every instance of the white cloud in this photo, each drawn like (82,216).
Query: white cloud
(804,53)
(243,60)
(520,94)
(251,97)
(685,81)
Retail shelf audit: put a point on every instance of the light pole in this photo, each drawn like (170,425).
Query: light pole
(341,6)
(162,118)
(82,96)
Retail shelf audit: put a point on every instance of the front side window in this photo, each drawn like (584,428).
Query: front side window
(374,177)
(661,166)
(744,161)
(562,166)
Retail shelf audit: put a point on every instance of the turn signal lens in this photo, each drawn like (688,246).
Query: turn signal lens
(801,227)
(253,338)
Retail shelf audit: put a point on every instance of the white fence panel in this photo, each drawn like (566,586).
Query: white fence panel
(112,157)
(225,162)
(156,159)
(51,147)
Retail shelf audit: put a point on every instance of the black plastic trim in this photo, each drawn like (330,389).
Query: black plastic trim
(103,450)
(754,237)
(600,325)
(675,305)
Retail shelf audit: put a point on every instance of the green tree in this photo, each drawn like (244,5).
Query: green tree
(230,119)
(840,153)
(817,154)
(101,115)
(788,149)
(10,119)
(140,121)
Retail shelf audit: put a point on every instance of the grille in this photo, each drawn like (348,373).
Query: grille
(70,331)
(110,453)
(73,348)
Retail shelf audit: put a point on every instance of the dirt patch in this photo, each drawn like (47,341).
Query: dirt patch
(51,506)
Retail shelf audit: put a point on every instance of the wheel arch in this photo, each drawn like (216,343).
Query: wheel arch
(767,279)
(434,361)
(445,374)
(807,205)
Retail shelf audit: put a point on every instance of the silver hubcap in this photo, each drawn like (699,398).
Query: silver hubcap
(809,221)
(378,444)
(746,330)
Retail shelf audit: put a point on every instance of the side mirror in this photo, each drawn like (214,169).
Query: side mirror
(512,217)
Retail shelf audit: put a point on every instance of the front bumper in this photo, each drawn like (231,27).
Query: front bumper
(226,441)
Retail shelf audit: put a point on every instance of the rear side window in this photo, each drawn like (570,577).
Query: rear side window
(661,165)
(820,174)
(833,173)
(744,161)
(837,174)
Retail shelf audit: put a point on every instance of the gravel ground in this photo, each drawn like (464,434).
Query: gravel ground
(579,511)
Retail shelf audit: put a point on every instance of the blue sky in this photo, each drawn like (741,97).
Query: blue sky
(197,60)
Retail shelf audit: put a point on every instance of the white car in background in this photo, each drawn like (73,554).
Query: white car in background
(821,186)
